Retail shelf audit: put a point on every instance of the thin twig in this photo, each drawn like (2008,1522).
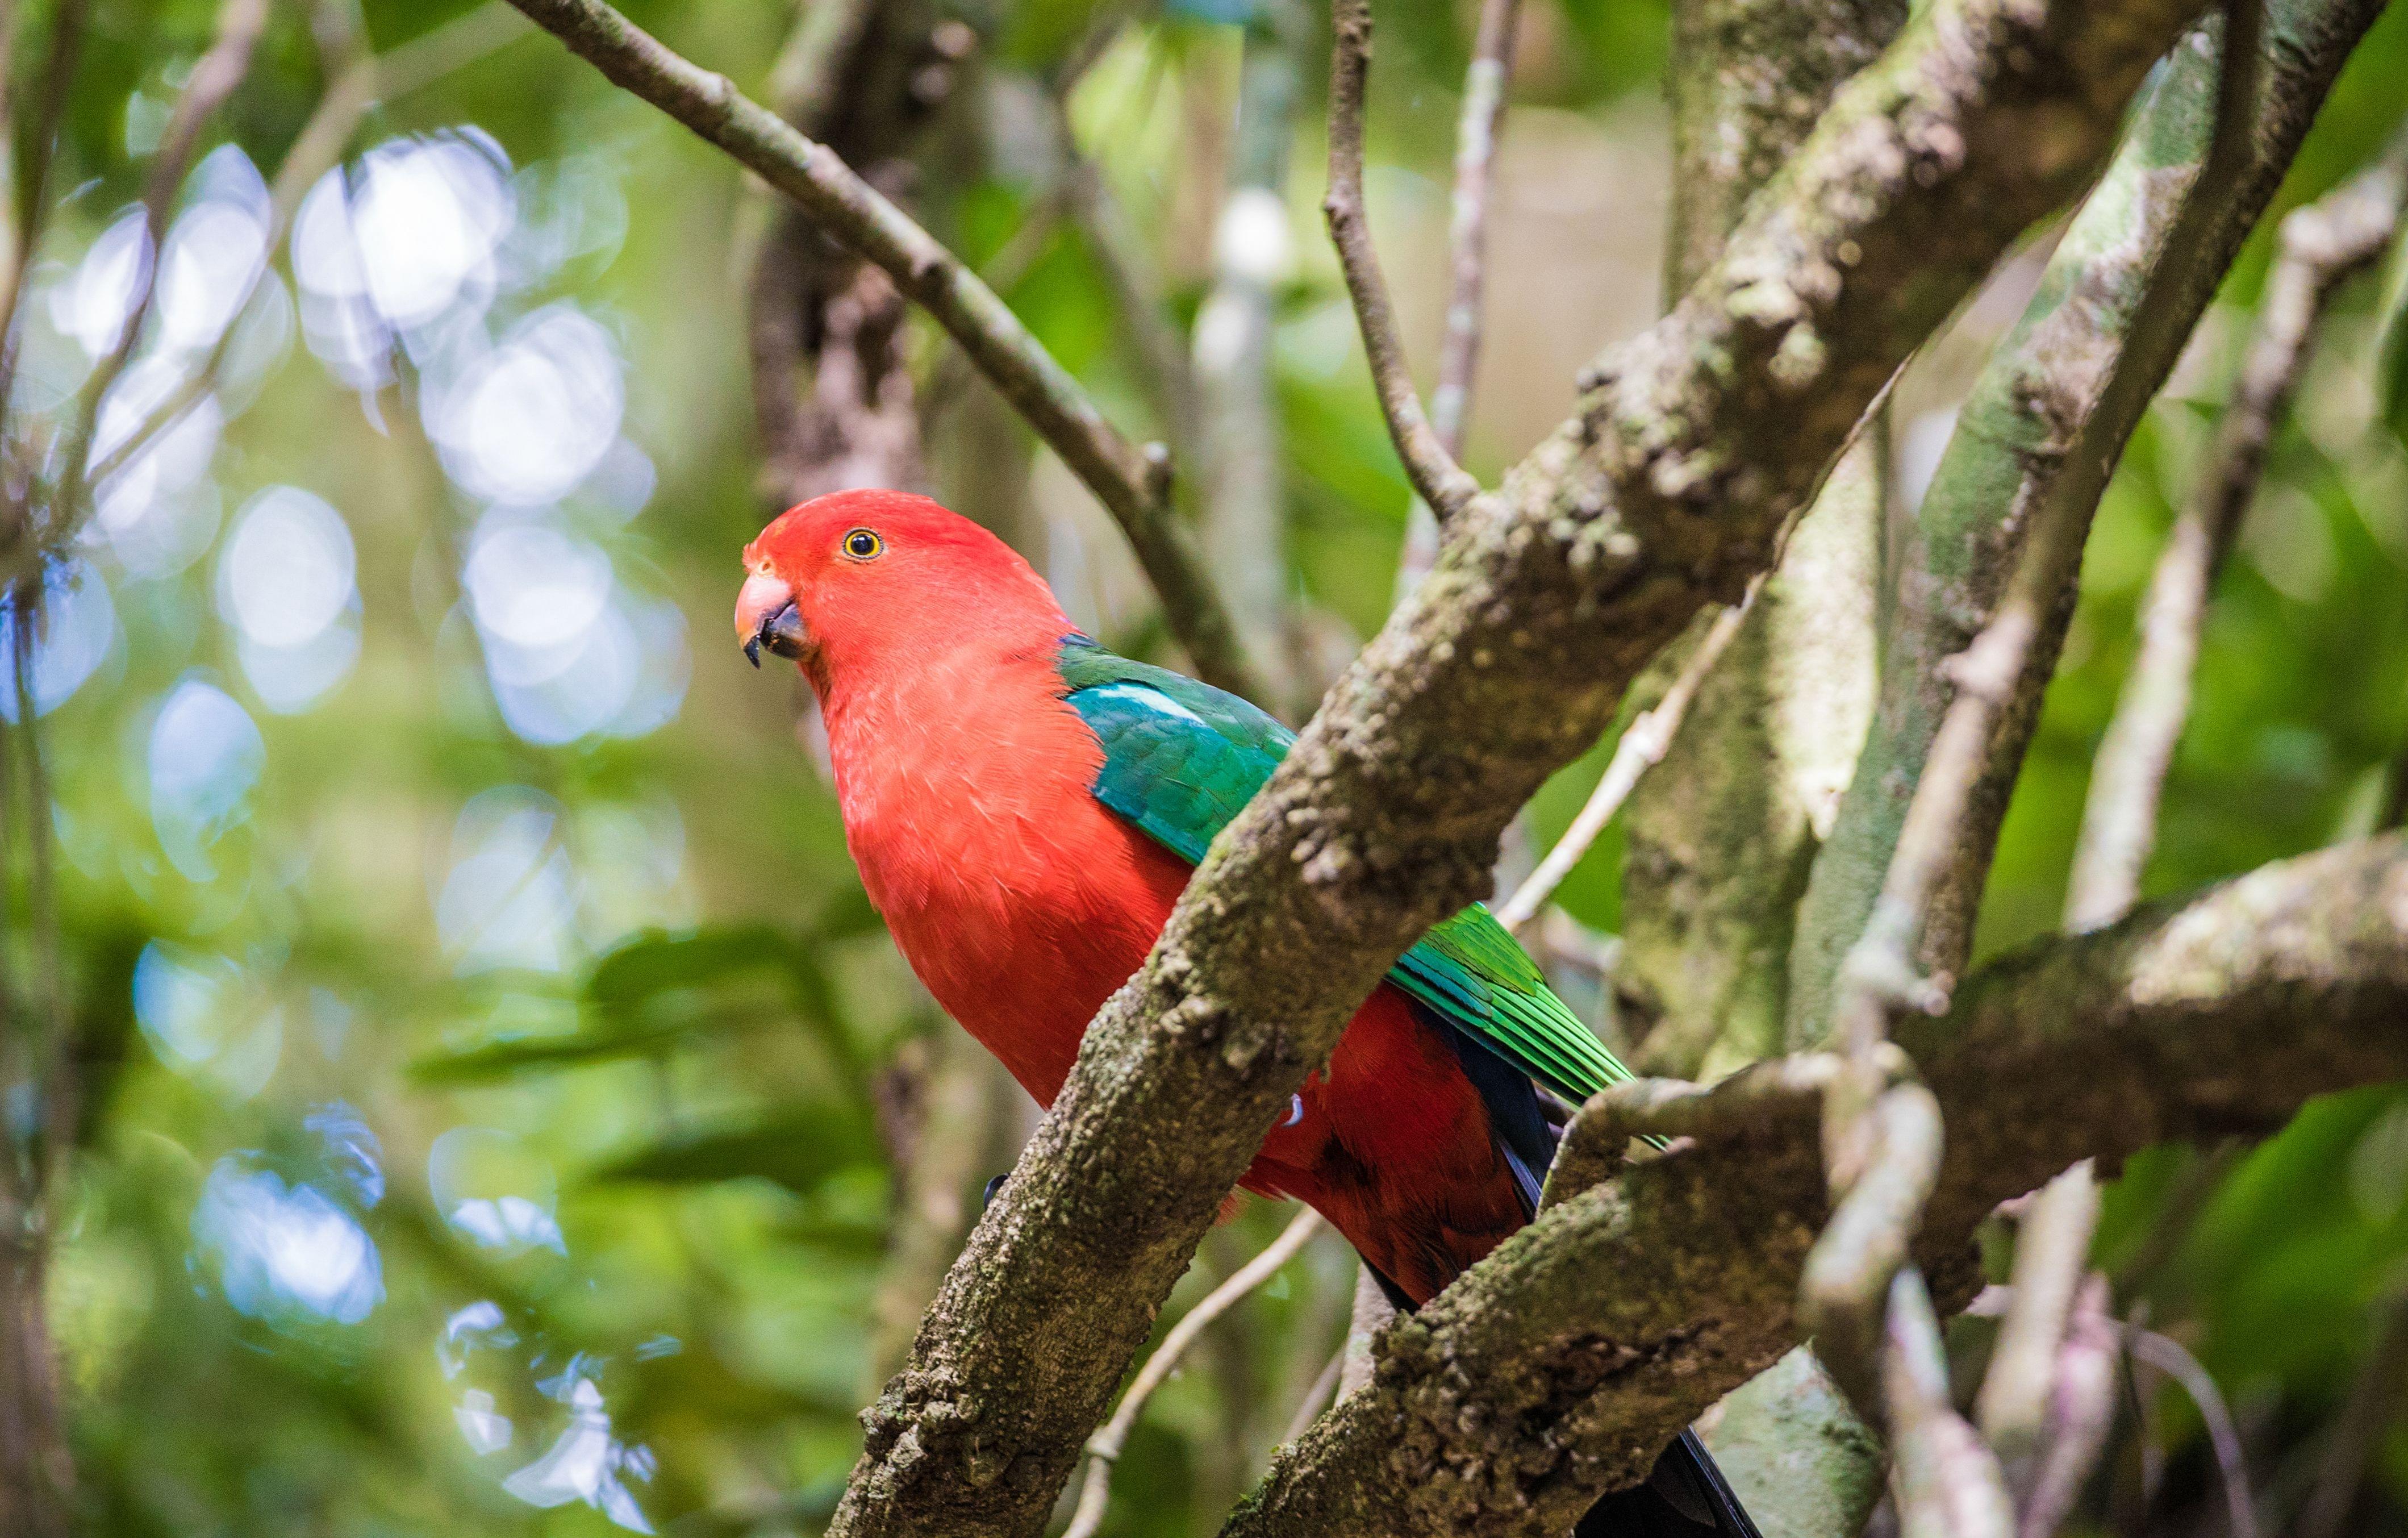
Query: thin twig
(1104,1447)
(56,1087)
(2169,1356)
(2322,246)
(1642,746)
(1237,424)
(1442,482)
(1131,483)
(1316,1398)
(1848,1277)
(1372,1313)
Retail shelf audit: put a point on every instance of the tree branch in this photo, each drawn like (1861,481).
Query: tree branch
(1692,446)
(1516,1395)
(2321,246)
(2047,420)
(1429,464)
(1132,484)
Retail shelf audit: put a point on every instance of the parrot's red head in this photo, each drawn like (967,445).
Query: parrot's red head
(865,577)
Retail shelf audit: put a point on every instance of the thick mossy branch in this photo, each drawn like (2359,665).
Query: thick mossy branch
(1520,1393)
(1691,448)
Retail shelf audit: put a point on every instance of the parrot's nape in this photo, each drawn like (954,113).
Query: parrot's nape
(1026,807)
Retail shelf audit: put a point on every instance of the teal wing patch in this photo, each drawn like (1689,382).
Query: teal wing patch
(1181,758)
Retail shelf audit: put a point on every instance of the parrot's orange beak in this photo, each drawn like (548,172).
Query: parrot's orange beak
(766,616)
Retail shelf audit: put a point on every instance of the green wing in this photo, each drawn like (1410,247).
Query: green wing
(1181,757)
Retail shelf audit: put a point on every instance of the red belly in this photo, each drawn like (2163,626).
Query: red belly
(1393,1145)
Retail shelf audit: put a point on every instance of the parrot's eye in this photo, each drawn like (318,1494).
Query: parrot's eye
(863,544)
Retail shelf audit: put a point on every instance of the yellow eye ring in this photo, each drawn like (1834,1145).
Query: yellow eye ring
(863,544)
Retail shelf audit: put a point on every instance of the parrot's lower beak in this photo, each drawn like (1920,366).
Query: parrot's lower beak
(766,616)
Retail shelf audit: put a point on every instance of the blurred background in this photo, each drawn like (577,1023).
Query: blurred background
(496,1109)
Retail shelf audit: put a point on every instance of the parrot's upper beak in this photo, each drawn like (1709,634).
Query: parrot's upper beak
(766,616)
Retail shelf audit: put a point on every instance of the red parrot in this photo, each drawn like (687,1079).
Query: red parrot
(1025,808)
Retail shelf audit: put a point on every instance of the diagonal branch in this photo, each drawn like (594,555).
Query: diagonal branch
(2322,245)
(1692,446)
(1132,484)
(1429,461)
(1510,1401)
(2046,421)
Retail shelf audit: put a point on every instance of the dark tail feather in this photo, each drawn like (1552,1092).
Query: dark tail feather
(1685,1497)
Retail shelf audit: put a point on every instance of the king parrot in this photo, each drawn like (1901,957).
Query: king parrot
(1026,807)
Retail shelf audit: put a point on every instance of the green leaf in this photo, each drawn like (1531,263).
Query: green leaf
(657,961)
(799,1149)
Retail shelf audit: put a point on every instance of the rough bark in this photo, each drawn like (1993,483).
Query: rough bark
(1514,1398)
(2042,423)
(1691,447)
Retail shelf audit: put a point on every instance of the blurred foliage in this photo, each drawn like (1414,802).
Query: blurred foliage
(489,1096)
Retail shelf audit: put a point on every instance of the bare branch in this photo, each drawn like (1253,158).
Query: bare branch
(1316,1398)
(1429,464)
(1692,446)
(2322,246)
(1641,748)
(1476,133)
(32,189)
(1242,457)
(1132,485)
(2047,421)
(1372,1313)
(213,80)
(1878,1166)
(1104,1447)
(1848,1282)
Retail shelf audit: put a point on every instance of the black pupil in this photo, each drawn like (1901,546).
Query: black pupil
(863,544)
